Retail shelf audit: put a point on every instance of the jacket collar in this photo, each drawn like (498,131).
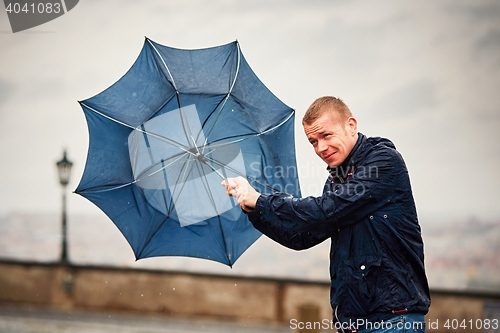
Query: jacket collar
(344,171)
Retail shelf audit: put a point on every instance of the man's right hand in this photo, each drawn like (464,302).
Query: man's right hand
(245,194)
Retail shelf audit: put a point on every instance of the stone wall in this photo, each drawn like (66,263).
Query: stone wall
(198,295)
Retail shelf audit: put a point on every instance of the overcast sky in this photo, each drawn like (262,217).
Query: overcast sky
(425,74)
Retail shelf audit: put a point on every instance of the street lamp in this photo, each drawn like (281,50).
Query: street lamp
(64,168)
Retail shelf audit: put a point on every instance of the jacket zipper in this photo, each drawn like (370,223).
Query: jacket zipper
(341,179)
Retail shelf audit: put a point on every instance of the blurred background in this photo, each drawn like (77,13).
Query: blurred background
(424,74)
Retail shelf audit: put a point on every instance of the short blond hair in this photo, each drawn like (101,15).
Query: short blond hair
(325,104)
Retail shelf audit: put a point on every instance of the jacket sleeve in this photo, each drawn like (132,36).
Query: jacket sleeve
(305,222)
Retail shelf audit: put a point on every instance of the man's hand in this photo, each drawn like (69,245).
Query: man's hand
(245,194)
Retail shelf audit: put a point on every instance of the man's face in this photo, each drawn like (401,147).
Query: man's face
(332,138)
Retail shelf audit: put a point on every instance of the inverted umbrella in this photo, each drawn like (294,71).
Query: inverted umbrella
(164,136)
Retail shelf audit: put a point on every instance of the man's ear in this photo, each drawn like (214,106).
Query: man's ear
(352,124)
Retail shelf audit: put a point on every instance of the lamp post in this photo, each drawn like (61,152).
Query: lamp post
(64,169)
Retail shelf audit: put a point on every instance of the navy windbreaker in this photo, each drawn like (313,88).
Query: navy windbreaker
(368,211)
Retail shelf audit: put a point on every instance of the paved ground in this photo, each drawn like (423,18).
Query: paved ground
(35,320)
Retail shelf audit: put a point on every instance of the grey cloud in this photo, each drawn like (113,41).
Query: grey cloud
(6,89)
(490,40)
(488,46)
(476,11)
(409,99)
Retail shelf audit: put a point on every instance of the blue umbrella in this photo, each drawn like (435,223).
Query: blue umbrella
(164,136)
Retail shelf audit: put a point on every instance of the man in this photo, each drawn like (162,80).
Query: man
(378,281)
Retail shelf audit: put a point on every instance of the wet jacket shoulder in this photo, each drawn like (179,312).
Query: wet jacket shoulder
(368,211)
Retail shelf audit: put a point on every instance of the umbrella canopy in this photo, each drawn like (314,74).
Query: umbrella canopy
(164,136)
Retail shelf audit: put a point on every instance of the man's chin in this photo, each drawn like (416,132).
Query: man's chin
(333,163)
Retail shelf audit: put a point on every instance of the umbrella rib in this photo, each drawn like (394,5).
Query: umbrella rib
(164,64)
(212,199)
(159,170)
(148,145)
(179,156)
(251,135)
(108,117)
(238,62)
(278,125)
(235,171)
(223,144)
(172,200)
(183,121)
(269,187)
(107,189)
(163,138)
(159,137)
(207,187)
(245,137)
(237,68)
(185,124)
(186,173)
(152,235)
(217,171)
(136,180)
(211,113)
(165,179)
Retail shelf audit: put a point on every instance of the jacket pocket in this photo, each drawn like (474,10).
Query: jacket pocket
(361,280)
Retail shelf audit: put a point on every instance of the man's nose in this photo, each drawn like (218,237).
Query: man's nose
(322,146)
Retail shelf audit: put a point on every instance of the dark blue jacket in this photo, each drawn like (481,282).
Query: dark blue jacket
(368,211)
